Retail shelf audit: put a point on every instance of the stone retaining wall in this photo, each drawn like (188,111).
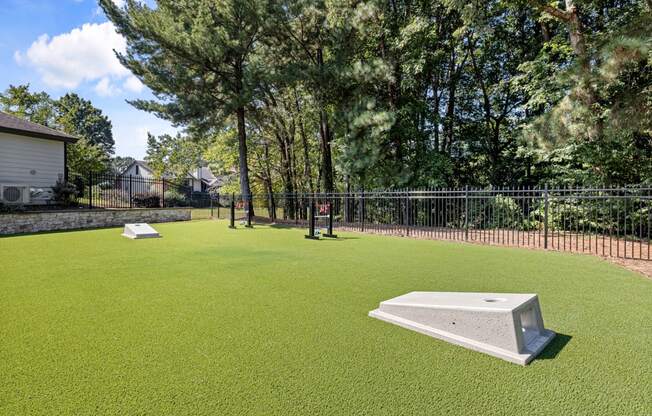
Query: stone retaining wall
(32,222)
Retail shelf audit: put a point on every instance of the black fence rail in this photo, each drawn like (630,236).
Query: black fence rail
(105,191)
(613,222)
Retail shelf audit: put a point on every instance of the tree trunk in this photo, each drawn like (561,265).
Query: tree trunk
(495,155)
(394,84)
(545,31)
(245,190)
(271,204)
(576,35)
(450,107)
(394,91)
(286,172)
(325,135)
(307,171)
(587,93)
(578,42)
(326,157)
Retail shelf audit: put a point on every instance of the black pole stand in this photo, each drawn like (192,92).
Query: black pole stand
(311,223)
(232,225)
(250,206)
(330,234)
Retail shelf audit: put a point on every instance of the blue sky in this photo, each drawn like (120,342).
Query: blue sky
(61,46)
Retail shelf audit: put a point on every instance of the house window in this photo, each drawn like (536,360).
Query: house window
(137,170)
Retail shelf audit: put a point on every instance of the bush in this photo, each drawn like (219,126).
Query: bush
(175,199)
(10,209)
(146,200)
(107,185)
(64,193)
(503,212)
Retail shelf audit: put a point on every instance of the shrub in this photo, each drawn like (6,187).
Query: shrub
(64,193)
(107,185)
(146,200)
(502,212)
(175,199)
(10,209)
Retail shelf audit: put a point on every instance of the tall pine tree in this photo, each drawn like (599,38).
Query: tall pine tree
(196,57)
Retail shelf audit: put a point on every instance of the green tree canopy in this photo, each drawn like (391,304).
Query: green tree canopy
(324,95)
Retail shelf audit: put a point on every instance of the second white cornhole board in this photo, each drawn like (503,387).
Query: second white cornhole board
(505,325)
(140,230)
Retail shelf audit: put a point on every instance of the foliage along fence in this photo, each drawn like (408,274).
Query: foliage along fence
(105,191)
(614,222)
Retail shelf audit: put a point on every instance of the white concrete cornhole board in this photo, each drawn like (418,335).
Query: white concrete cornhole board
(140,230)
(505,325)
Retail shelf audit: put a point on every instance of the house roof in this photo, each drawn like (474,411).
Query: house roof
(209,178)
(219,181)
(204,173)
(21,127)
(140,163)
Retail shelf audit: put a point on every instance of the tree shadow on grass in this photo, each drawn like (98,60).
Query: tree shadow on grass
(554,348)
(284,226)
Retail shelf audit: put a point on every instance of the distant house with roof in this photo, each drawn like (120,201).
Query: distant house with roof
(200,179)
(32,160)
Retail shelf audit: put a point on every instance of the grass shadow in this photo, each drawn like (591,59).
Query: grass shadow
(282,226)
(554,348)
(286,226)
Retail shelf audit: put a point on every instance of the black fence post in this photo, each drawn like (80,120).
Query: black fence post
(131,194)
(250,210)
(466,212)
(330,234)
(362,210)
(163,193)
(406,214)
(218,206)
(232,225)
(90,191)
(311,221)
(545,217)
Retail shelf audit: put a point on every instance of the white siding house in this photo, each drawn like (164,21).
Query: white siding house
(140,169)
(32,158)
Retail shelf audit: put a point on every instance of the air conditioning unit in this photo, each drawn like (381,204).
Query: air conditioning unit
(14,194)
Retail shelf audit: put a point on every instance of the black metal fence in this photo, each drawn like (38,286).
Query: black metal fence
(125,191)
(613,222)
(607,221)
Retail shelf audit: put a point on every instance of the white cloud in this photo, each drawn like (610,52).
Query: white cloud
(82,55)
(105,88)
(119,3)
(133,84)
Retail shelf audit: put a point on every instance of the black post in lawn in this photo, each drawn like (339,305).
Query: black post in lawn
(250,210)
(232,225)
(330,234)
(311,222)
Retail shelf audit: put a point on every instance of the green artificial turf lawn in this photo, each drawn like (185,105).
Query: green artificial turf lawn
(212,321)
